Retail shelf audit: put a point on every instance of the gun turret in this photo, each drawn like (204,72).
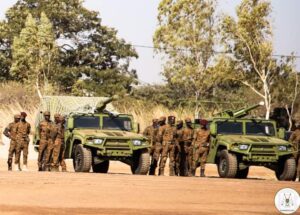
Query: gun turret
(238,113)
(100,107)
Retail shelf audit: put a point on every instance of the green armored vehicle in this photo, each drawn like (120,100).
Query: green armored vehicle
(95,134)
(238,143)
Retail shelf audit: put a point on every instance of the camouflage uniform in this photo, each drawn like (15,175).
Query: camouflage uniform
(44,134)
(179,149)
(11,132)
(295,139)
(58,132)
(166,135)
(151,133)
(187,137)
(23,131)
(63,147)
(201,146)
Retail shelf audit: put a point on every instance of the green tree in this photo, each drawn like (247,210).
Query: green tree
(249,40)
(34,54)
(186,34)
(89,53)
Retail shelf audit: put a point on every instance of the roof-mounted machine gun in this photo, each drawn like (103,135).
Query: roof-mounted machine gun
(238,113)
(101,106)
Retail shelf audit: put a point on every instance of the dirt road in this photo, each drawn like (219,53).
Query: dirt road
(119,192)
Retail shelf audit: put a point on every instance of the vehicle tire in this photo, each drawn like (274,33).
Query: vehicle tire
(228,165)
(242,174)
(82,160)
(286,169)
(101,167)
(141,163)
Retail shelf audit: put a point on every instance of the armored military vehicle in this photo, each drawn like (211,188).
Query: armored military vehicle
(238,142)
(95,134)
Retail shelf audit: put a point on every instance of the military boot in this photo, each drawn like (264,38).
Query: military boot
(152,168)
(9,163)
(202,173)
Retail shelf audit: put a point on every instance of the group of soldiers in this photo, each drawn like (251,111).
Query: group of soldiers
(179,142)
(51,142)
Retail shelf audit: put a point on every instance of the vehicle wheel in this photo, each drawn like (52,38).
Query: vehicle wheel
(286,169)
(241,174)
(141,163)
(101,167)
(82,160)
(228,165)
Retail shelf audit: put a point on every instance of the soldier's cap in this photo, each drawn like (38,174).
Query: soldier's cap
(57,115)
(155,120)
(162,119)
(17,116)
(171,118)
(203,122)
(23,114)
(47,113)
(188,120)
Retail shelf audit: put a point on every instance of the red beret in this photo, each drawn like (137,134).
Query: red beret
(23,114)
(203,122)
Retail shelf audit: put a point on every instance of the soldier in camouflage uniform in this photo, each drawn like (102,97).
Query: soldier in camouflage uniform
(58,137)
(63,147)
(166,136)
(44,135)
(187,137)
(50,147)
(23,131)
(151,133)
(201,146)
(179,148)
(11,132)
(295,140)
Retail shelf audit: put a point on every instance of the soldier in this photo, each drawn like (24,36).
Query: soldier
(63,147)
(188,133)
(44,134)
(201,146)
(58,137)
(295,140)
(151,132)
(166,136)
(179,149)
(11,132)
(23,131)
(53,133)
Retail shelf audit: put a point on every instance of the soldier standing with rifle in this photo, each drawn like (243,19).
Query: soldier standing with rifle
(201,145)
(295,140)
(44,136)
(58,137)
(23,131)
(11,132)
(63,147)
(151,133)
(166,136)
(187,137)
(179,148)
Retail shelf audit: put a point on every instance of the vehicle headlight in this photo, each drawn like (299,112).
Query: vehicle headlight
(137,142)
(98,141)
(243,147)
(282,148)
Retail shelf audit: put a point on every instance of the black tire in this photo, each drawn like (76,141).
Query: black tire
(242,174)
(82,160)
(286,169)
(141,163)
(227,165)
(101,167)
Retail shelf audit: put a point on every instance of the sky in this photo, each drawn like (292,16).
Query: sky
(135,21)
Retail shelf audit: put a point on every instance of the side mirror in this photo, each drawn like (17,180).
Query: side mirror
(213,128)
(70,123)
(281,133)
(136,128)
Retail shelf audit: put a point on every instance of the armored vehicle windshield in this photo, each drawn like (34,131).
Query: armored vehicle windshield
(87,122)
(260,128)
(117,123)
(227,127)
